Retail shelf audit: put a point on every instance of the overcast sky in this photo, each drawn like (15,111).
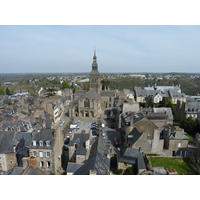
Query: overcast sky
(67,48)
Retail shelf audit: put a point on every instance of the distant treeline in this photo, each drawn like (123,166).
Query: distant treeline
(189,87)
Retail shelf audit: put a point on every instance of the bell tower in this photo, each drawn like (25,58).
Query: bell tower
(95,83)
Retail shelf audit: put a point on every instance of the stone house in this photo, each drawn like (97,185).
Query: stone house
(7,151)
(186,109)
(159,116)
(21,92)
(143,134)
(98,162)
(42,148)
(30,167)
(158,93)
(79,147)
(130,157)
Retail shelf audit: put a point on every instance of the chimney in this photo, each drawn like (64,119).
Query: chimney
(87,144)
(93,172)
(27,161)
(32,161)
(131,119)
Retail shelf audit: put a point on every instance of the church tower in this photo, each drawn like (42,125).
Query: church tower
(95,82)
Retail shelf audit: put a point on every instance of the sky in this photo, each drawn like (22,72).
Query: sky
(119,48)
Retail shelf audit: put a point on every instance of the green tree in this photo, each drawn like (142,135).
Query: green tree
(190,125)
(8,91)
(1,91)
(149,101)
(65,85)
(105,84)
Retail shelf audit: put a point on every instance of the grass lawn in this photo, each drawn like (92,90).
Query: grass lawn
(180,164)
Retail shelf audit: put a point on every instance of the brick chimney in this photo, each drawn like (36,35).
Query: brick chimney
(28,161)
(32,161)
(93,172)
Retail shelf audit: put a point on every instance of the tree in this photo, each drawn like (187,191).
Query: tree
(65,85)
(149,101)
(8,91)
(1,91)
(105,84)
(194,163)
(190,125)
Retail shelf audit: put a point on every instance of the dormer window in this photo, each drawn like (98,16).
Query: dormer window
(47,143)
(34,143)
(41,143)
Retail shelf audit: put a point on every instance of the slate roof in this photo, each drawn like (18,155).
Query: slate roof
(97,160)
(192,106)
(79,92)
(136,117)
(168,111)
(6,141)
(20,125)
(79,139)
(132,156)
(43,135)
(129,156)
(27,137)
(15,171)
(108,93)
(177,88)
(157,116)
(34,170)
(173,93)
(93,95)
(133,136)
(72,167)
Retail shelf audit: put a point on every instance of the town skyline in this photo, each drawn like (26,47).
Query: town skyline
(120,49)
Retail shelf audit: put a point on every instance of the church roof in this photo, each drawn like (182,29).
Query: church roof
(93,95)
(108,93)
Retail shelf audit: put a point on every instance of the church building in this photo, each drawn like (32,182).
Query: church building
(91,103)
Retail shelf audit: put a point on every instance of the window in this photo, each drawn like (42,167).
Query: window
(48,164)
(48,143)
(179,144)
(87,103)
(41,143)
(41,154)
(34,143)
(125,165)
(41,164)
(48,154)
(34,153)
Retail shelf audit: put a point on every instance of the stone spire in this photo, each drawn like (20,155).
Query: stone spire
(94,64)
(95,75)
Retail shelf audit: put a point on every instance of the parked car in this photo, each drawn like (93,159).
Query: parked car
(116,142)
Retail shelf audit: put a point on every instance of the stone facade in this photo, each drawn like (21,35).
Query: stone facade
(7,161)
(90,103)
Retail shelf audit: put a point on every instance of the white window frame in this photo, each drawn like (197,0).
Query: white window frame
(34,143)
(41,154)
(47,143)
(48,165)
(34,154)
(47,155)
(41,165)
(41,143)
(179,144)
